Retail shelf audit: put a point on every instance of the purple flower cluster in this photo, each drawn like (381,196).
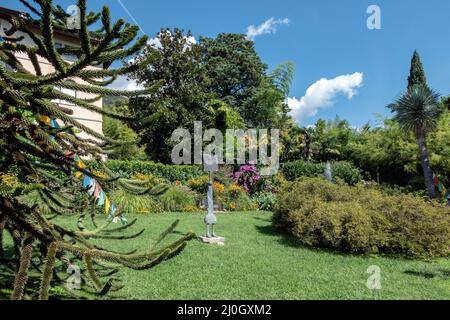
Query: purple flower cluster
(247,177)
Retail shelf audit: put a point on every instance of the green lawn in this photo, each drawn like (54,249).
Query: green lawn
(259,263)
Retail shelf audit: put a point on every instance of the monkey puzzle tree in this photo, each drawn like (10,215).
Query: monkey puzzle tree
(41,142)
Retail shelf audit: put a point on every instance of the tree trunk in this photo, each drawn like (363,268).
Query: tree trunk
(2,228)
(308,150)
(427,174)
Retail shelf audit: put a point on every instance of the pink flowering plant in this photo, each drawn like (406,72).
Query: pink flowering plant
(248,178)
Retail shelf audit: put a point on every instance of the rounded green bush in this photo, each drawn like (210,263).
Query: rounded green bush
(177,198)
(362,219)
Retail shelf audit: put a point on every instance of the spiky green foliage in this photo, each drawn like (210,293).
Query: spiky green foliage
(418,111)
(46,186)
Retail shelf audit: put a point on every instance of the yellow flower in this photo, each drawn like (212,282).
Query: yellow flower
(218,188)
(9,179)
(235,189)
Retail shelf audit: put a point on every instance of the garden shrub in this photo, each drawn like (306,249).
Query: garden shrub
(362,219)
(199,184)
(340,169)
(237,199)
(248,178)
(137,204)
(177,198)
(131,168)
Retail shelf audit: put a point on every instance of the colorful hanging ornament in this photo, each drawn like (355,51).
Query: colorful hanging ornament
(107,205)
(101,199)
(45,119)
(97,191)
(86,181)
(91,187)
(90,184)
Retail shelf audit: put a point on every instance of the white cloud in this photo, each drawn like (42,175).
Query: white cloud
(123,83)
(156,43)
(322,94)
(267,27)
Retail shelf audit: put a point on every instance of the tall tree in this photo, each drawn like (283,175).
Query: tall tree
(233,67)
(416,72)
(182,97)
(418,111)
(40,138)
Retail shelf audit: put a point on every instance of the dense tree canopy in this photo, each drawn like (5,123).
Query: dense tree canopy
(182,97)
(217,81)
(233,66)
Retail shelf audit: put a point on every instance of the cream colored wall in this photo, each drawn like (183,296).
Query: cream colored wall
(88,118)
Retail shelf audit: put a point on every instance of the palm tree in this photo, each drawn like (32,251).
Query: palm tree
(418,111)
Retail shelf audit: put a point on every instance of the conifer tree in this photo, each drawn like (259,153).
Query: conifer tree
(40,141)
(416,73)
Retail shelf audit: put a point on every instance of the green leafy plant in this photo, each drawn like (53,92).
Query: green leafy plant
(178,197)
(362,219)
(265,200)
(138,204)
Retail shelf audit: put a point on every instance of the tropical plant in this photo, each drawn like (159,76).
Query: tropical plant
(418,111)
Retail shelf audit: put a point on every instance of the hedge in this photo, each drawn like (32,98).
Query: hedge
(340,169)
(170,172)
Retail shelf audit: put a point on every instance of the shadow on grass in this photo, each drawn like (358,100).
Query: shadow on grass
(285,240)
(288,240)
(439,273)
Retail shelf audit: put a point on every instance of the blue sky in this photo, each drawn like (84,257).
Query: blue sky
(326,39)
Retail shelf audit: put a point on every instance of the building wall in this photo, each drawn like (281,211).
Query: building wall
(88,118)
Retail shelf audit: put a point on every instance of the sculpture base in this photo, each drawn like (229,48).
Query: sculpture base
(213,240)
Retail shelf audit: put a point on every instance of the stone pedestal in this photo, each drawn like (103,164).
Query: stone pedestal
(213,240)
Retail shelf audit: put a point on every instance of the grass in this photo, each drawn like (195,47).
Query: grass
(259,263)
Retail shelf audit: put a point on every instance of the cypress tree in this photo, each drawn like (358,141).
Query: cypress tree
(40,141)
(416,72)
